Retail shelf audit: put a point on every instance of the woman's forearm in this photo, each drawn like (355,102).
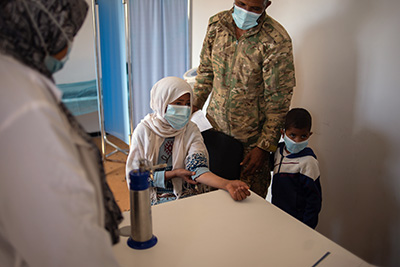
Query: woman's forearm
(213,180)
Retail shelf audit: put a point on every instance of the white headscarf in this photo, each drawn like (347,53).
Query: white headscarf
(154,128)
(164,92)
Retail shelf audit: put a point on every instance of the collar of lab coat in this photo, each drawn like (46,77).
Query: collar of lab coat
(57,93)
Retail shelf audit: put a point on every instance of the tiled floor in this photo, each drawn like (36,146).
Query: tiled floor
(115,171)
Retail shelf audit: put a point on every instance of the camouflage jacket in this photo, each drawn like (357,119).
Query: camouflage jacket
(250,79)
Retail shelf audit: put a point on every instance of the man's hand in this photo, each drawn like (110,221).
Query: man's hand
(255,159)
(238,190)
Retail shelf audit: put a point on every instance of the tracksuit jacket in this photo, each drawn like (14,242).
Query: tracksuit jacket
(296,187)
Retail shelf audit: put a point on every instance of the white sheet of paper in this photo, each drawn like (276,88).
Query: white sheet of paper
(200,119)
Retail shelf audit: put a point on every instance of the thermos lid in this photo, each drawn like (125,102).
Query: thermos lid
(139,180)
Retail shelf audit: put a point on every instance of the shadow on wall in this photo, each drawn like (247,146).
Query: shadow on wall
(359,209)
(372,215)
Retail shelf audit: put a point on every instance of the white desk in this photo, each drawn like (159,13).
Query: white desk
(213,230)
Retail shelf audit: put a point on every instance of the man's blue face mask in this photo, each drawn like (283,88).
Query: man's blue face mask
(244,19)
(177,116)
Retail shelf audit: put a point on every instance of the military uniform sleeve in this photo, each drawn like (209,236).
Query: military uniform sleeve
(205,75)
(279,80)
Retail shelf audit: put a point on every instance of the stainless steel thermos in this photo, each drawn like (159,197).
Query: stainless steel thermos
(141,221)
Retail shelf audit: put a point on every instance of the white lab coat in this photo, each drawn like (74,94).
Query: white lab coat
(51,208)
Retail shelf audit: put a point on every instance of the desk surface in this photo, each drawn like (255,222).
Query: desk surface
(213,230)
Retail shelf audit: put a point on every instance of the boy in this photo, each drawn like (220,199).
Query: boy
(296,185)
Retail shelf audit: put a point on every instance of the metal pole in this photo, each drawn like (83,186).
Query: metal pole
(98,77)
(190,19)
(129,65)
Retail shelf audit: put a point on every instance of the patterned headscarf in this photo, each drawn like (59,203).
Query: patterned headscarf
(20,21)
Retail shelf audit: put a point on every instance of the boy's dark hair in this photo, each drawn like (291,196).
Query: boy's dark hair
(298,118)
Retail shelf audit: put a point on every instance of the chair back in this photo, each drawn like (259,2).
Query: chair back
(225,153)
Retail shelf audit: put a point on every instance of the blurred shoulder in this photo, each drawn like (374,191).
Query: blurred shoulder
(192,127)
(24,89)
(142,129)
(217,17)
(275,30)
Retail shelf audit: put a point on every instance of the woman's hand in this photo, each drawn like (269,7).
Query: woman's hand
(181,173)
(238,190)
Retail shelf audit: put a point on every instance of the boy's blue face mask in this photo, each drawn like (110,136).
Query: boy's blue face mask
(294,147)
(177,116)
(244,19)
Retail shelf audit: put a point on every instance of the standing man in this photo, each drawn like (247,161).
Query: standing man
(246,64)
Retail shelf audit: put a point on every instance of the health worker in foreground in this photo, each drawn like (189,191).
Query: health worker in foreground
(246,67)
(56,208)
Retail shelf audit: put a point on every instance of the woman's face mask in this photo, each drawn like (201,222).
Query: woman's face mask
(53,64)
(244,19)
(177,116)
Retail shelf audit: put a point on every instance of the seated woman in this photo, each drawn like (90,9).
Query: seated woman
(167,136)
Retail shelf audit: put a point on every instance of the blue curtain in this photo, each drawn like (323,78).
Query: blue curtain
(159,47)
(113,68)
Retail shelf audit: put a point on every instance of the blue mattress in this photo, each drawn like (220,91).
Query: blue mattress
(81,97)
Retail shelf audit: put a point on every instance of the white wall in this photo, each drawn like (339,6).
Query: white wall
(82,55)
(80,67)
(347,69)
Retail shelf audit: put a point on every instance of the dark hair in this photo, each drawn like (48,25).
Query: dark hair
(298,118)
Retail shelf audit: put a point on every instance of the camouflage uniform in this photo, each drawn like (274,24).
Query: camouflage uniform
(251,82)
